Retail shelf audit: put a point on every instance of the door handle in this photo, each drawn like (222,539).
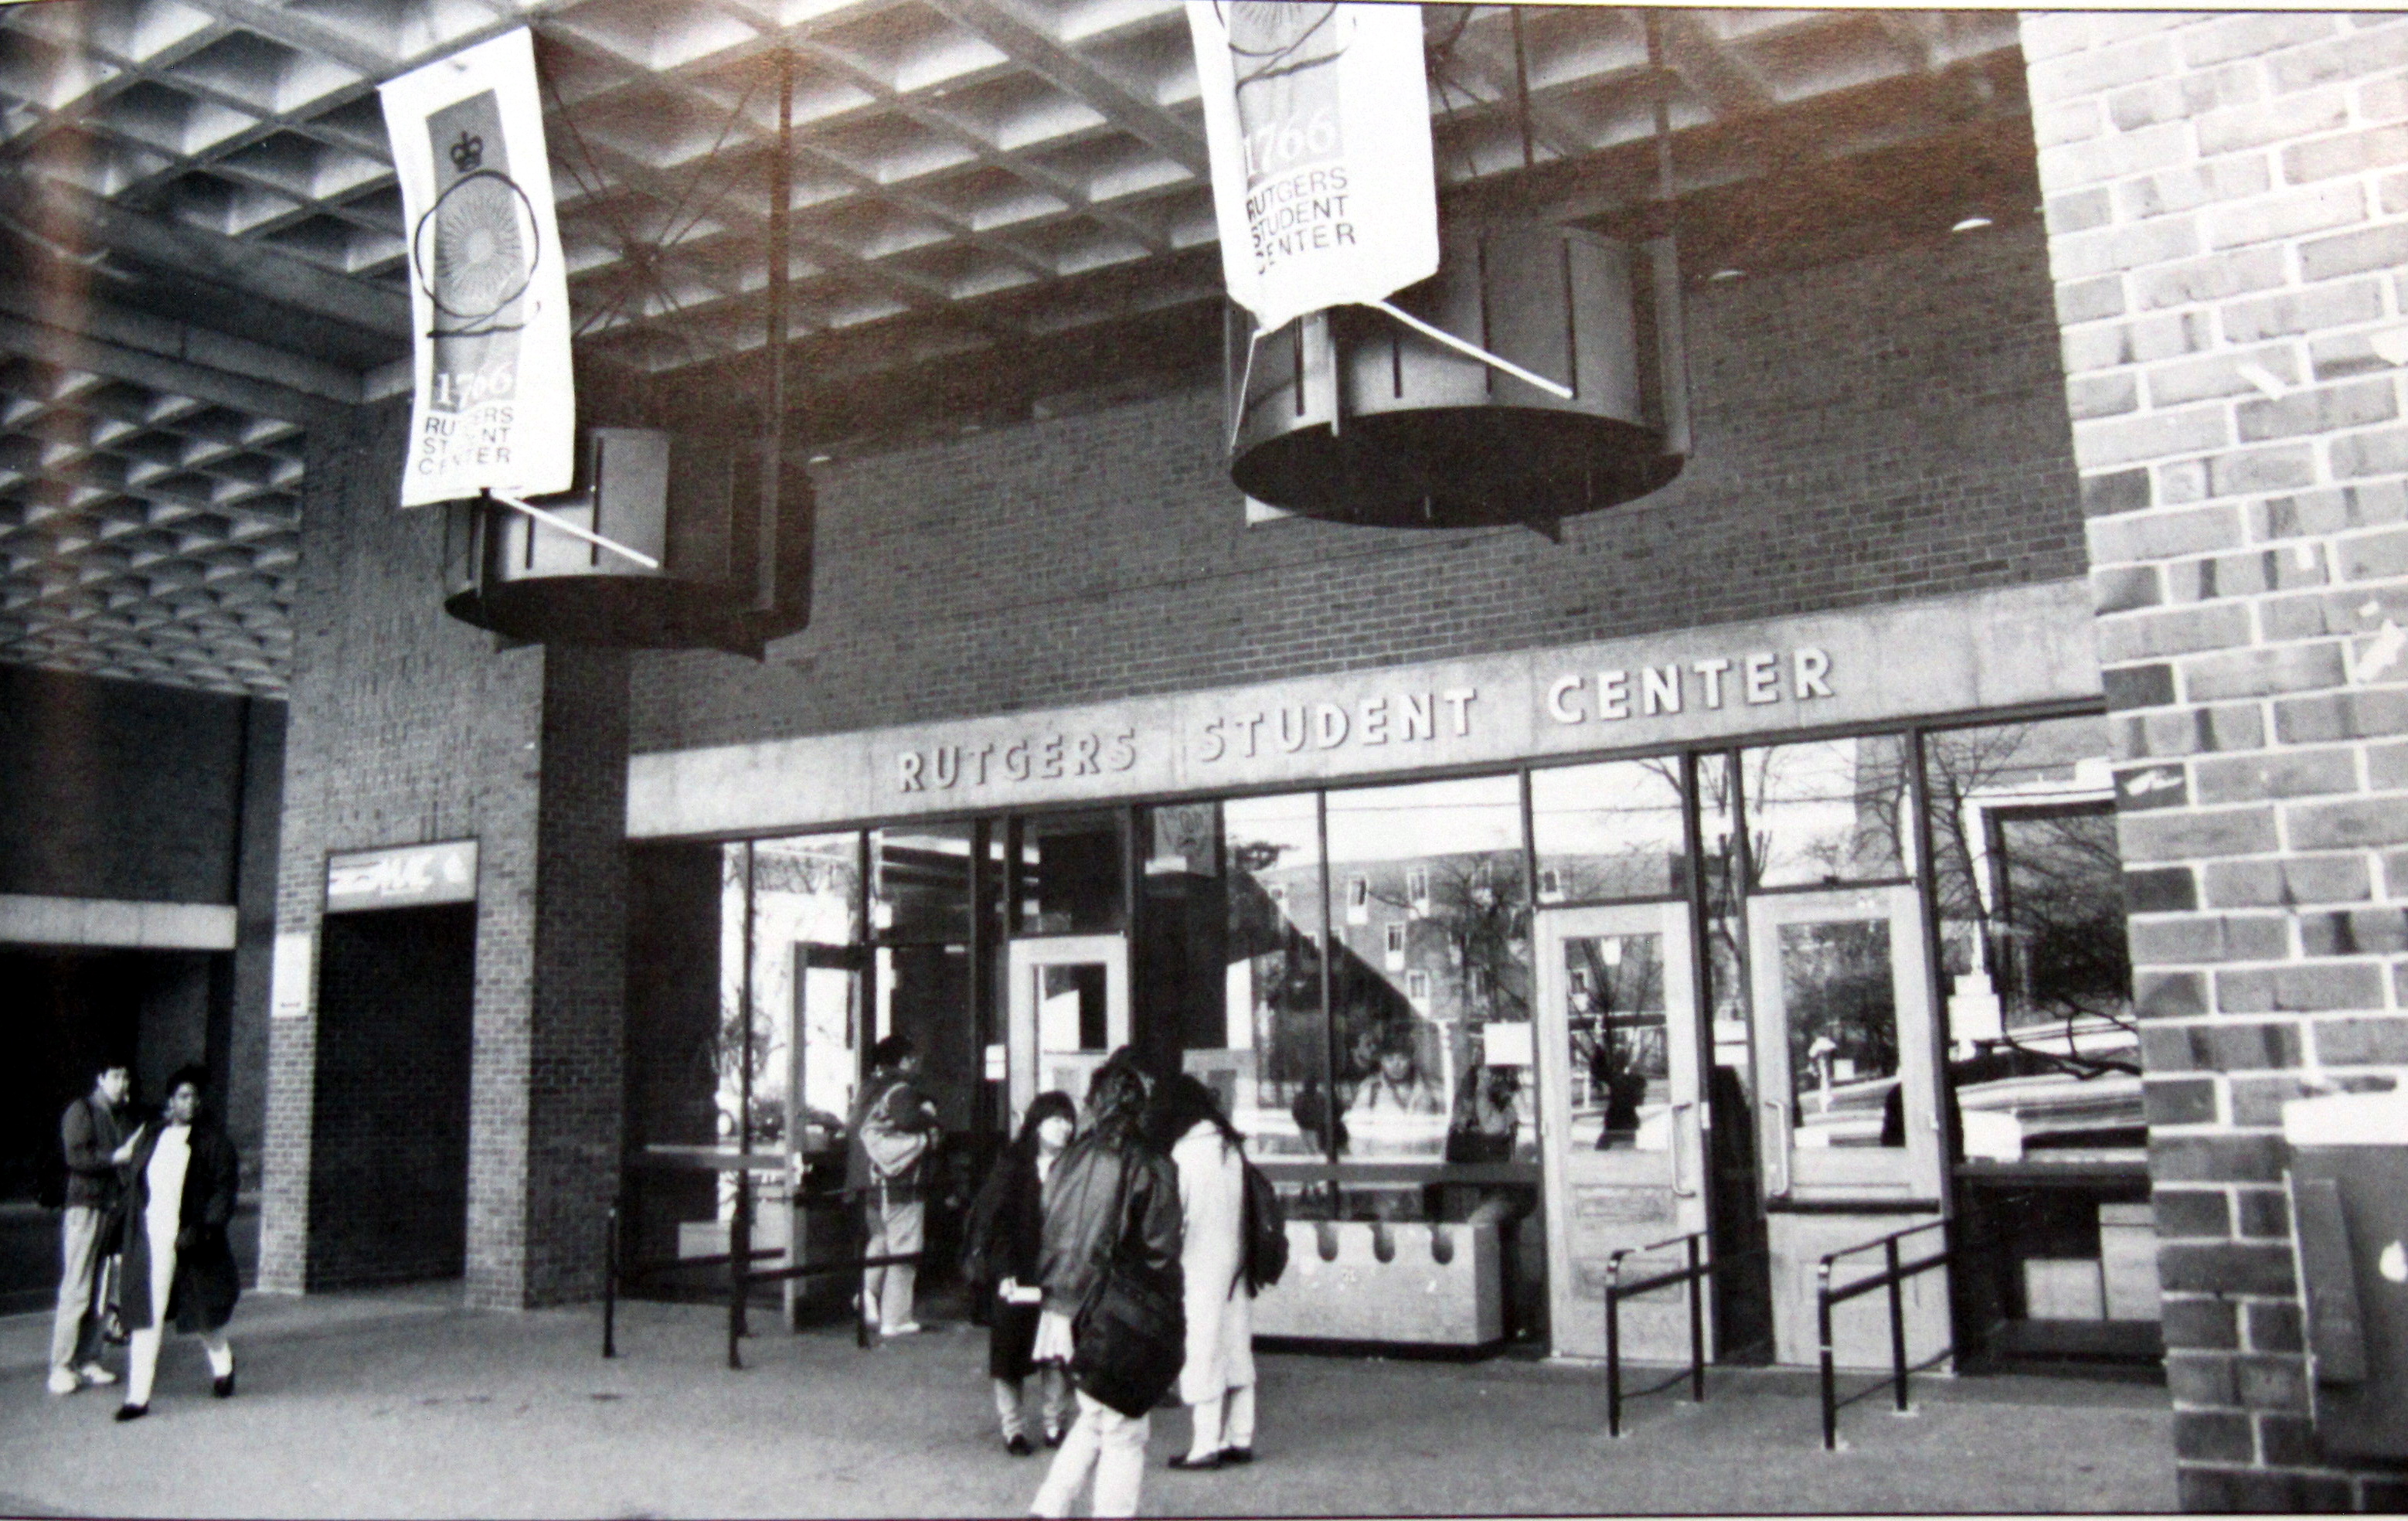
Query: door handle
(1777,1136)
(1678,1130)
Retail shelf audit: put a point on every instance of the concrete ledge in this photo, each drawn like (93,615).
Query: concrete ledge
(28,920)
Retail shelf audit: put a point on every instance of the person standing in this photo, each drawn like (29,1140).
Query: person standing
(1218,1378)
(181,1182)
(93,1138)
(1111,1193)
(892,1129)
(1007,1231)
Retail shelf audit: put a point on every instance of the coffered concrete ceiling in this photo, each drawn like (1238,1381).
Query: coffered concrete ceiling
(201,195)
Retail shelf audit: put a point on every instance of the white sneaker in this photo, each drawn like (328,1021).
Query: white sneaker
(908,1327)
(63,1380)
(95,1373)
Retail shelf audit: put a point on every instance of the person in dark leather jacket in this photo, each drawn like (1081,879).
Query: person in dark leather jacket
(1086,1213)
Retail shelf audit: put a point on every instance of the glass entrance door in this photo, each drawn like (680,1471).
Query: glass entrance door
(1844,1081)
(1068,1010)
(1619,1108)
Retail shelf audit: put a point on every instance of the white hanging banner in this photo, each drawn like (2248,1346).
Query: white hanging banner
(1318,121)
(494,406)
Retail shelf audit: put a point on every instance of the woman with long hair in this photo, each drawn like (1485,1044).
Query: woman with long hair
(1218,1378)
(1007,1231)
(180,1188)
(1111,1195)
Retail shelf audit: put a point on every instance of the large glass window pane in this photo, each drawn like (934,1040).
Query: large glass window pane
(1071,874)
(1443,861)
(1827,811)
(1272,1070)
(806,891)
(1609,832)
(2037,973)
(921,882)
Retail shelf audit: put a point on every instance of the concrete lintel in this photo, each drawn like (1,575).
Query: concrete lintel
(194,376)
(115,923)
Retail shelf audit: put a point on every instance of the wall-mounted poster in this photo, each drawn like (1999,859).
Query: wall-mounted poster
(494,406)
(1318,121)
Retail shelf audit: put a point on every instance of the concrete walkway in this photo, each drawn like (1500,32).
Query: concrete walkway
(403,1404)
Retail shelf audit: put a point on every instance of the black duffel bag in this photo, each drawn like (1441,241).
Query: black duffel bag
(1129,1338)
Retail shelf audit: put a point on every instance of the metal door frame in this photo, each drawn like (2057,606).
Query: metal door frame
(1685,1158)
(1025,955)
(1917,1178)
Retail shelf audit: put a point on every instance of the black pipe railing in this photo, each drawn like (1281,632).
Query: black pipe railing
(738,1260)
(1700,1268)
(1893,1274)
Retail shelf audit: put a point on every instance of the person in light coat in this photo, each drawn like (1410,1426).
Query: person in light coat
(180,1184)
(1218,1381)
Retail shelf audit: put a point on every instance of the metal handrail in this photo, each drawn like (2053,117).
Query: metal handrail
(737,1259)
(1699,1268)
(1892,1275)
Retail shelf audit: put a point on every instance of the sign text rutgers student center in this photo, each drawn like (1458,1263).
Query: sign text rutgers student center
(1973,790)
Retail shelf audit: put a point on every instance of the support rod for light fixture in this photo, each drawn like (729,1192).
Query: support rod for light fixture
(553,519)
(773,419)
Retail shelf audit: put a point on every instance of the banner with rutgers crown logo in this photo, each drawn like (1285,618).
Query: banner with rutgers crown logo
(1318,121)
(493,402)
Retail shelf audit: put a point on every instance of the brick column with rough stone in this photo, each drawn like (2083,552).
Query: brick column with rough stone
(2226,199)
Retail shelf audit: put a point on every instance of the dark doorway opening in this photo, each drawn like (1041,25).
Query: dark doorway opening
(389,1162)
(66,1012)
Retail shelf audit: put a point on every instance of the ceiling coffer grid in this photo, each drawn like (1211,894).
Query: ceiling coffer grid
(966,171)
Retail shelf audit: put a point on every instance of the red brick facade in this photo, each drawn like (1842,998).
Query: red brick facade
(2228,206)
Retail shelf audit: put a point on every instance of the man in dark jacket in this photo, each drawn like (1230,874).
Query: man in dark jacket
(91,1134)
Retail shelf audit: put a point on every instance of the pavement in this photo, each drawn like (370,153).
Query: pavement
(401,1403)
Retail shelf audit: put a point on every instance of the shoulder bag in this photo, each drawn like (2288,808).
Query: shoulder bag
(1129,1338)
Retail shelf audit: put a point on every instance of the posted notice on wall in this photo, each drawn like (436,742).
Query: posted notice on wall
(1318,121)
(494,406)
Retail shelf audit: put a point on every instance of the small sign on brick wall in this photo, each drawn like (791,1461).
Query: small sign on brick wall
(402,877)
(288,980)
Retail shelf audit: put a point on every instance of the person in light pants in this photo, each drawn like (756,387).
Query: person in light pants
(181,1187)
(892,1131)
(91,1136)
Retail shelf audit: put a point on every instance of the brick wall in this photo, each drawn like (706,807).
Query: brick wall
(407,725)
(1868,431)
(118,789)
(2228,210)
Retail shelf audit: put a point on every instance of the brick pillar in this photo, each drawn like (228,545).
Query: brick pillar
(545,1090)
(404,726)
(2227,214)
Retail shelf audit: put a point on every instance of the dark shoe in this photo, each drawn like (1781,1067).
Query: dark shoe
(1210,1460)
(1018,1446)
(1053,1435)
(222,1386)
(1232,1457)
(131,1411)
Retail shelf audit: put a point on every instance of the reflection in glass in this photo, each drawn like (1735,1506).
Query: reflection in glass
(1827,811)
(1442,862)
(1070,872)
(1841,1009)
(806,891)
(920,881)
(1621,1072)
(1275,1052)
(2044,1054)
(1609,832)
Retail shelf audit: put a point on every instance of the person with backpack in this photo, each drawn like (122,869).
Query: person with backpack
(93,1135)
(892,1130)
(1109,1270)
(1007,1231)
(1218,1379)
